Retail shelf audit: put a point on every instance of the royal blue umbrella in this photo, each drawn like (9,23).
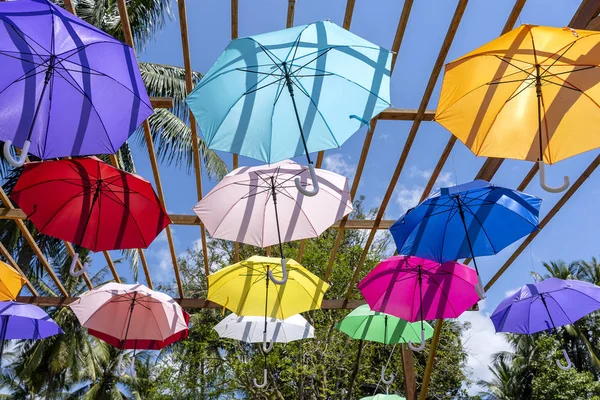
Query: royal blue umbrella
(24,321)
(546,305)
(319,76)
(66,87)
(469,220)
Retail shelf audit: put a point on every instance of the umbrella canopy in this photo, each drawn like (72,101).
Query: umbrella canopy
(131,316)
(66,86)
(90,203)
(384,397)
(249,203)
(546,305)
(531,94)
(250,329)
(416,289)
(490,217)
(365,324)
(321,76)
(25,321)
(11,282)
(244,288)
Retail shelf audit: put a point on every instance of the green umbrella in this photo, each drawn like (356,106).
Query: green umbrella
(384,397)
(366,324)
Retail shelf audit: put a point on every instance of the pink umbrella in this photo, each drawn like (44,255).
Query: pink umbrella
(132,316)
(249,202)
(416,289)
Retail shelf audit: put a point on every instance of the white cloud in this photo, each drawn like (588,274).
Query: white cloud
(337,163)
(414,172)
(444,180)
(481,342)
(511,292)
(408,197)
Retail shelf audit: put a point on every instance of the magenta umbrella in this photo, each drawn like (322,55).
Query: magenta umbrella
(416,289)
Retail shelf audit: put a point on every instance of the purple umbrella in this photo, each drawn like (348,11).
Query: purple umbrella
(545,305)
(24,321)
(66,88)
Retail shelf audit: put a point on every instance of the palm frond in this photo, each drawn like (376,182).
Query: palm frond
(173,139)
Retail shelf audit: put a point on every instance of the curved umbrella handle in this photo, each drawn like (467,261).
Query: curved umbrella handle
(569,363)
(283,271)
(389,380)
(122,369)
(315,182)
(22,157)
(82,271)
(565,185)
(479,288)
(267,347)
(421,346)
(264,384)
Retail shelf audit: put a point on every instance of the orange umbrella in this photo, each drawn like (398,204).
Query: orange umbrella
(531,94)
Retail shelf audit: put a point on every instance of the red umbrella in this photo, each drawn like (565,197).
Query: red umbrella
(90,203)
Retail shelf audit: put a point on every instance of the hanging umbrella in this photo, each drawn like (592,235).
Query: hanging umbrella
(250,329)
(91,204)
(365,324)
(546,305)
(11,282)
(320,76)
(469,220)
(240,289)
(66,88)
(24,321)
(131,317)
(531,94)
(416,289)
(249,202)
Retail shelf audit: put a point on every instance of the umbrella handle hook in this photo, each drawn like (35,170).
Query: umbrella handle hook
(421,346)
(315,182)
(387,381)
(267,347)
(479,288)
(122,369)
(565,185)
(569,363)
(82,271)
(21,160)
(264,384)
(283,271)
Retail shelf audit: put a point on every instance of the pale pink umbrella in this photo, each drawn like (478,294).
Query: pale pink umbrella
(131,316)
(416,289)
(248,203)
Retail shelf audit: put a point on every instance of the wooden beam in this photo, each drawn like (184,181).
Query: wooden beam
(234,19)
(189,303)
(368,137)
(348,14)
(6,254)
(289,22)
(32,243)
(124,17)
(432,352)
(235,157)
(404,114)
(588,9)
(408,367)
(457,17)
(162,102)
(568,194)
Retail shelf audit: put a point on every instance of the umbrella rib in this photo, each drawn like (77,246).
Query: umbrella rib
(22,35)
(569,47)
(580,91)
(468,209)
(585,68)
(50,89)
(85,96)
(37,64)
(20,78)
(323,52)
(256,89)
(562,86)
(62,209)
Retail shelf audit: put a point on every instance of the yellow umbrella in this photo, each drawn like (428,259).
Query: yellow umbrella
(244,287)
(11,282)
(532,94)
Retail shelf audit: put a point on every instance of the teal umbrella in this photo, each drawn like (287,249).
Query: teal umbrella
(320,77)
(365,324)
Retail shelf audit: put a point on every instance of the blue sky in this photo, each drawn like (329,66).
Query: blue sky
(572,234)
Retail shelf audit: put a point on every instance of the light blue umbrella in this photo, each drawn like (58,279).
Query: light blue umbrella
(320,76)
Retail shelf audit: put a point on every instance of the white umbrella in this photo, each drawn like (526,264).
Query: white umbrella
(252,329)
